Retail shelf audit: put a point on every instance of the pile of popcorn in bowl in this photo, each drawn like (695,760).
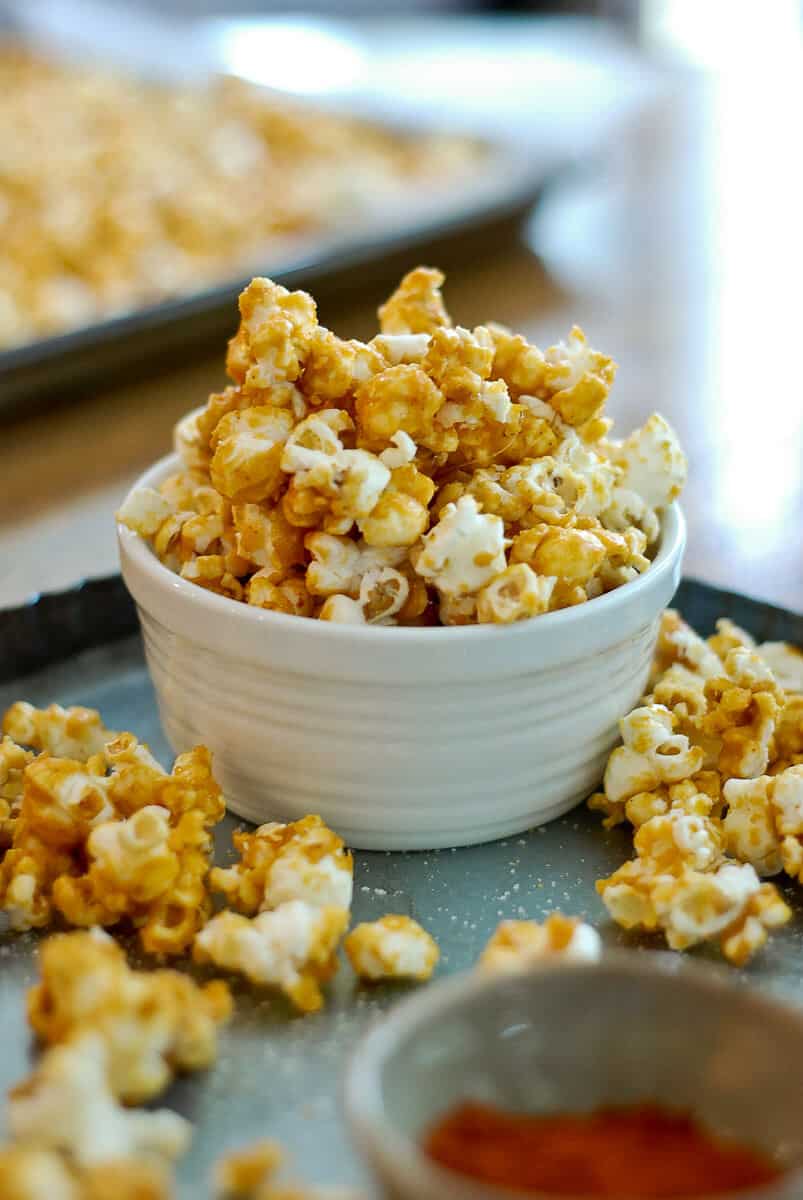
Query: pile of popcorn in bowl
(434,475)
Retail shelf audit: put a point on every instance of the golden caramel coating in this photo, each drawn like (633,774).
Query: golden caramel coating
(31,1173)
(13,761)
(251,1173)
(116,837)
(76,733)
(67,1104)
(303,860)
(416,306)
(710,775)
(154,1023)
(292,947)
(417,467)
(516,945)
(394,947)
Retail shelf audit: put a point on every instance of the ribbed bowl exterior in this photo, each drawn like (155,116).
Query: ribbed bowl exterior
(400,739)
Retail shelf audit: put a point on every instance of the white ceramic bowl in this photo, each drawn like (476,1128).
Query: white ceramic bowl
(573,1037)
(400,738)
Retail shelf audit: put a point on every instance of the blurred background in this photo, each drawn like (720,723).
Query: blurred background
(640,177)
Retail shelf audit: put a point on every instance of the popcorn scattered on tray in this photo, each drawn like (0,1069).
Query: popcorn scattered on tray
(106,836)
(153,1023)
(394,947)
(516,945)
(710,775)
(293,947)
(251,1174)
(139,192)
(303,860)
(32,1173)
(67,1104)
(433,474)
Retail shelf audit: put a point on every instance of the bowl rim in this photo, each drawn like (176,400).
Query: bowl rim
(141,556)
(375,1134)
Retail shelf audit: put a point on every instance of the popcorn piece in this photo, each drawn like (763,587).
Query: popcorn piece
(189,442)
(402,451)
(517,945)
(652,754)
(394,947)
(653,463)
(339,564)
(749,824)
(397,348)
(239,1174)
(577,379)
(514,595)
(729,637)
(343,610)
(785,661)
(144,511)
(679,839)
(75,733)
(743,711)
(303,860)
(729,905)
(401,513)
(31,1173)
(464,551)
(292,947)
(13,761)
(269,347)
(416,306)
(405,399)
(678,643)
(248,448)
(152,1023)
(267,541)
(66,1104)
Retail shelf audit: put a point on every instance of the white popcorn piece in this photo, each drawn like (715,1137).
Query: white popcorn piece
(401,347)
(134,854)
(311,452)
(342,610)
(308,869)
(340,564)
(627,509)
(394,947)
(145,511)
(652,754)
(402,451)
(66,1104)
(583,478)
(383,592)
(517,945)
(515,595)
(654,466)
(76,733)
(749,824)
(188,443)
(291,947)
(706,904)
(464,550)
(786,663)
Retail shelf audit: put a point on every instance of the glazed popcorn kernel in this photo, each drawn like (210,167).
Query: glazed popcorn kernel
(303,860)
(75,733)
(66,1104)
(251,1173)
(32,1173)
(292,947)
(710,775)
(394,947)
(435,460)
(153,1023)
(516,945)
(113,838)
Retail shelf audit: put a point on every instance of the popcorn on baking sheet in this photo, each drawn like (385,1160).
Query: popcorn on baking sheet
(394,947)
(710,775)
(111,838)
(29,1172)
(67,1104)
(516,945)
(292,947)
(433,473)
(153,1023)
(303,860)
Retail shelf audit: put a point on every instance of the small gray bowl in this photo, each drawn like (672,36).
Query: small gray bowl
(573,1037)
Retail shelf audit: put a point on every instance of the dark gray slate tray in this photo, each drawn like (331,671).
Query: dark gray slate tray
(279,1074)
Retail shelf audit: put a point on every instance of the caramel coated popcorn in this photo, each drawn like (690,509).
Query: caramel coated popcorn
(110,838)
(710,775)
(292,947)
(154,1023)
(252,1173)
(516,945)
(303,860)
(435,474)
(394,947)
(137,192)
(31,1173)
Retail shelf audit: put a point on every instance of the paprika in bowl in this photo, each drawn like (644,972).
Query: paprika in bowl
(657,1055)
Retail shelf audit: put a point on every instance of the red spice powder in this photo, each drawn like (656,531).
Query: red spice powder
(641,1152)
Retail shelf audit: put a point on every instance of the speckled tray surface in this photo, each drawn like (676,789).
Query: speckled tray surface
(279,1074)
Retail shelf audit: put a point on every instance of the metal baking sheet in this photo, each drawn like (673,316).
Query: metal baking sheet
(279,1074)
(474,220)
